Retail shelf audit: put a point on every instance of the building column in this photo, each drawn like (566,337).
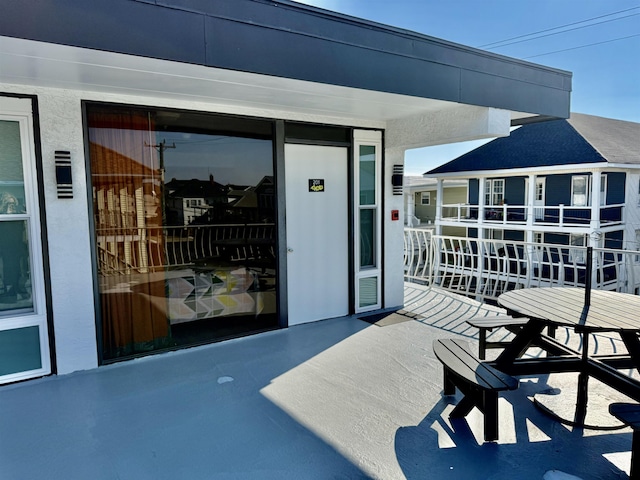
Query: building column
(481,206)
(531,217)
(439,200)
(411,208)
(596,182)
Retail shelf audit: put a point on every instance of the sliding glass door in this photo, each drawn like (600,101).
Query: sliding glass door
(184,216)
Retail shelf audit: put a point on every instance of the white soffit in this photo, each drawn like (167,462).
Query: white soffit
(26,62)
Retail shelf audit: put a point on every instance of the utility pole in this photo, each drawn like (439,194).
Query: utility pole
(161,147)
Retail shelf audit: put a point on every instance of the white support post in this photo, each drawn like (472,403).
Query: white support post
(531,200)
(411,206)
(439,201)
(596,182)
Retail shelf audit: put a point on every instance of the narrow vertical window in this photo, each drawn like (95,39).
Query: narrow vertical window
(603,190)
(368,207)
(367,148)
(24,351)
(579,190)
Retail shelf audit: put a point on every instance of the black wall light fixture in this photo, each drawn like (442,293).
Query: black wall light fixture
(63,174)
(396,179)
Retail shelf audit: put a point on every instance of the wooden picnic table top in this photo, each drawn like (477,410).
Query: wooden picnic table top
(565,306)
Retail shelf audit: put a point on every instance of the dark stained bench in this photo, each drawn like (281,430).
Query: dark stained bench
(629,414)
(478,383)
(488,323)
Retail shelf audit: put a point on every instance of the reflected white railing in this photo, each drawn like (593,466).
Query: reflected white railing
(484,269)
(127,249)
(559,215)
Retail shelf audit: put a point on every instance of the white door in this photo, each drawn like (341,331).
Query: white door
(317,232)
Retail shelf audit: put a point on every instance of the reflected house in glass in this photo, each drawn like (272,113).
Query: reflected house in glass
(193,201)
(193,217)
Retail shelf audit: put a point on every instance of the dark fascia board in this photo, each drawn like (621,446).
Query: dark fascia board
(291,40)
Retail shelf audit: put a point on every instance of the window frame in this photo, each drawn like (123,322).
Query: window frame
(367,275)
(494,190)
(20,110)
(587,179)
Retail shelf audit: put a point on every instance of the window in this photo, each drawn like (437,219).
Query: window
(368,206)
(603,190)
(367,152)
(579,190)
(494,192)
(538,237)
(193,285)
(425,198)
(637,246)
(540,190)
(495,234)
(24,345)
(638,191)
(577,255)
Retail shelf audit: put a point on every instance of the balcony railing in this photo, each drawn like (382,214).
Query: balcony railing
(129,249)
(558,215)
(485,269)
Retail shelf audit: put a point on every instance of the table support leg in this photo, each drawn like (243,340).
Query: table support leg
(583,384)
(632,342)
(529,334)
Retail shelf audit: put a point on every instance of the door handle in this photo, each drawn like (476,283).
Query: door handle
(289,250)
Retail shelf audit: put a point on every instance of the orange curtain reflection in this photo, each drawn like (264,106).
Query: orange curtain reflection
(127,189)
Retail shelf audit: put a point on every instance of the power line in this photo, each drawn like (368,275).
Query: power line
(563,31)
(555,28)
(582,46)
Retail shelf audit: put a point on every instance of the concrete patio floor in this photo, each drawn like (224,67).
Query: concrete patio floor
(337,399)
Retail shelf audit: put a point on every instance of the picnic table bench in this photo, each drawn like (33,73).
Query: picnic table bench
(629,414)
(488,323)
(479,383)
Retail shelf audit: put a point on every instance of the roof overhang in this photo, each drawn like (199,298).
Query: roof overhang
(268,56)
(27,62)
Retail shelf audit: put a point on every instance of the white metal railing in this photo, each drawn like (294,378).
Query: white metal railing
(558,215)
(486,268)
(130,249)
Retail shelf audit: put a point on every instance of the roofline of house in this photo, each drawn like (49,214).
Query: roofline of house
(513,172)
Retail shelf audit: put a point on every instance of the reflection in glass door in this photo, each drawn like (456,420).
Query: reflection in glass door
(24,351)
(184,215)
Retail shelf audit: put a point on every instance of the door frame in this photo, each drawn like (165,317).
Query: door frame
(308,134)
(331,163)
(14,107)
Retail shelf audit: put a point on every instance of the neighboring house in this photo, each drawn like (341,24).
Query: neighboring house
(421,200)
(573,182)
(301,115)
(194,201)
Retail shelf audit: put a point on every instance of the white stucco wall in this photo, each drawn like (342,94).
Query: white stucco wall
(393,234)
(67,220)
(460,124)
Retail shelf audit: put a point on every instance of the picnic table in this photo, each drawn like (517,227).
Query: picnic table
(586,312)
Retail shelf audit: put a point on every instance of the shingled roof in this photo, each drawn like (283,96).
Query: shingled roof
(581,139)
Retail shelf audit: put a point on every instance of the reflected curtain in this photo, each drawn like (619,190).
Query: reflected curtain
(127,189)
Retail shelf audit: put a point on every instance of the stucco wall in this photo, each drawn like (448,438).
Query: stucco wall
(67,220)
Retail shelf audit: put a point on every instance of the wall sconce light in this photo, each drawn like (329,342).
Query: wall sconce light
(396,179)
(63,174)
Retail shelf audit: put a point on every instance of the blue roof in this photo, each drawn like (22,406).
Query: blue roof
(543,144)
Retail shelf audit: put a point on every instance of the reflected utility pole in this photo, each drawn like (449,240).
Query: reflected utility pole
(161,147)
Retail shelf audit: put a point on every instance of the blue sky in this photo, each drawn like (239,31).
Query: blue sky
(605,64)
